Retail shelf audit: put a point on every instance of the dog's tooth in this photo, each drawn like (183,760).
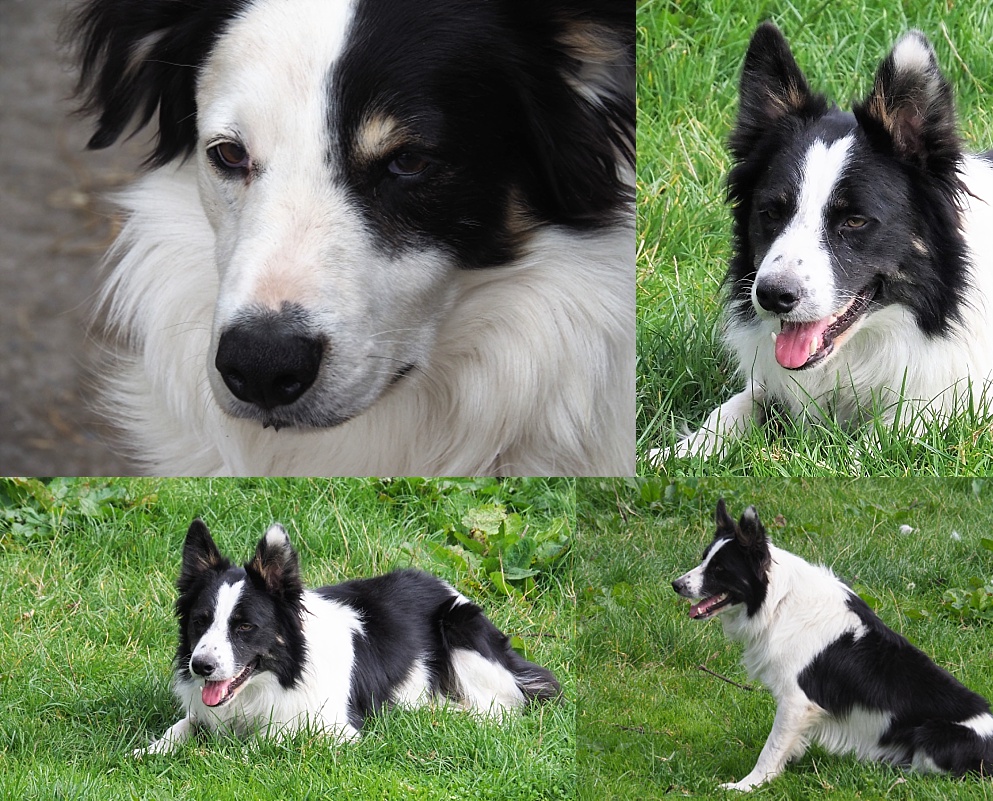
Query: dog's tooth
(813,346)
(772,336)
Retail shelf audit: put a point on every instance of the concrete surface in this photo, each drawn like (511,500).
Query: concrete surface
(53,229)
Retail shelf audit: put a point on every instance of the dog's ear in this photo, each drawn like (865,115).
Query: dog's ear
(910,110)
(751,532)
(581,127)
(200,556)
(139,59)
(275,567)
(772,87)
(725,523)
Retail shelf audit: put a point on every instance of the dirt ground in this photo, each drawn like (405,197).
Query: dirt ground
(53,228)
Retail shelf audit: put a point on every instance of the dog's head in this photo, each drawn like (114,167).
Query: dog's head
(238,623)
(734,570)
(838,215)
(354,157)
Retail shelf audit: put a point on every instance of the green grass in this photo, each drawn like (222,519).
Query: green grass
(87,635)
(689,56)
(652,724)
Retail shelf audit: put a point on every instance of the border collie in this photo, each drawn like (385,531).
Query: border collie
(840,677)
(258,653)
(377,236)
(858,284)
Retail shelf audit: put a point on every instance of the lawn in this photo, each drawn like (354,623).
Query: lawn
(689,57)
(87,569)
(651,723)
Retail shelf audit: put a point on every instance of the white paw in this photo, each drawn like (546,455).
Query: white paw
(742,786)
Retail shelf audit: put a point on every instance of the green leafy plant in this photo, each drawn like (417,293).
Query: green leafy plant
(502,548)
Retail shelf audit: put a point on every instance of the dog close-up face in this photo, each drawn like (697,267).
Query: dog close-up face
(230,618)
(829,210)
(344,194)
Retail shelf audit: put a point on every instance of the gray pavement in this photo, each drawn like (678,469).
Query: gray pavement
(53,228)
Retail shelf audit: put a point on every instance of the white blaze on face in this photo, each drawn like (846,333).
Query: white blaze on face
(215,644)
(799,256)
(693,580)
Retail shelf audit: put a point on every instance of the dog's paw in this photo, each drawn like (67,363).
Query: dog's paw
(743,786)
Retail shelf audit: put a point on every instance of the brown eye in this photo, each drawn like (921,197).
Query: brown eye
(855,222)
(229,156)
(408,164)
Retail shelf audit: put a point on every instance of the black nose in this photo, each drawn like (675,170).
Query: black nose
(778,296)
(202,667)
(267,360)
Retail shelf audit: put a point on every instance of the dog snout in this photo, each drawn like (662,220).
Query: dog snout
(268,360)
(778,294)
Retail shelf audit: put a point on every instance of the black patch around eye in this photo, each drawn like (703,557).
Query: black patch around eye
(409,165)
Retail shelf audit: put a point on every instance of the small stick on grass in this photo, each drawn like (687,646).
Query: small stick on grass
(706,669)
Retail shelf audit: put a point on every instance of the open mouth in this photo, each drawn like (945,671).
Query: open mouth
(803,345)
(215,693)
(709,607)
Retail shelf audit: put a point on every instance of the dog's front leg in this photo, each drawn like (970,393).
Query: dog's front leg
(176,734)
(727,422)
(788,739)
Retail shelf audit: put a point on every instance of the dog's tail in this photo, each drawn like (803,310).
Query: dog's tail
(955,747)
(481,668)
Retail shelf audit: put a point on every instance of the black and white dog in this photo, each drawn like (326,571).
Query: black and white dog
(859,282)
(258,653)
(378,236)
(840,677)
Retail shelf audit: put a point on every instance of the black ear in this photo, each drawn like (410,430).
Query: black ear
(200,556)
(275,567)
(772,87)
(725,523)
(910,110)
(582,126)
(751,532)
(139,58)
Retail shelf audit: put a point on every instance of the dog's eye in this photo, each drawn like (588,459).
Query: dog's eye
(407,165)
(229,156)
(855,222)
(772,213)
(244,628)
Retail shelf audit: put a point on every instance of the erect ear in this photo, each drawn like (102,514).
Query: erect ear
(772,87)
(911,105)
(275,566)
(725,523)
(751,532)
(200,555)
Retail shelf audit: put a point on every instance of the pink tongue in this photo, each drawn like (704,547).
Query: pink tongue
(793,342)
(214,691)
(698,609)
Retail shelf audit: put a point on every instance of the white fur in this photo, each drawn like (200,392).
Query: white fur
(523,369)
(215,643)
(887,361)
(484,686)
(800,249)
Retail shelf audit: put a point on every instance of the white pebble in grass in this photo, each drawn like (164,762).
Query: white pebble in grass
(956,536)
(905,529)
